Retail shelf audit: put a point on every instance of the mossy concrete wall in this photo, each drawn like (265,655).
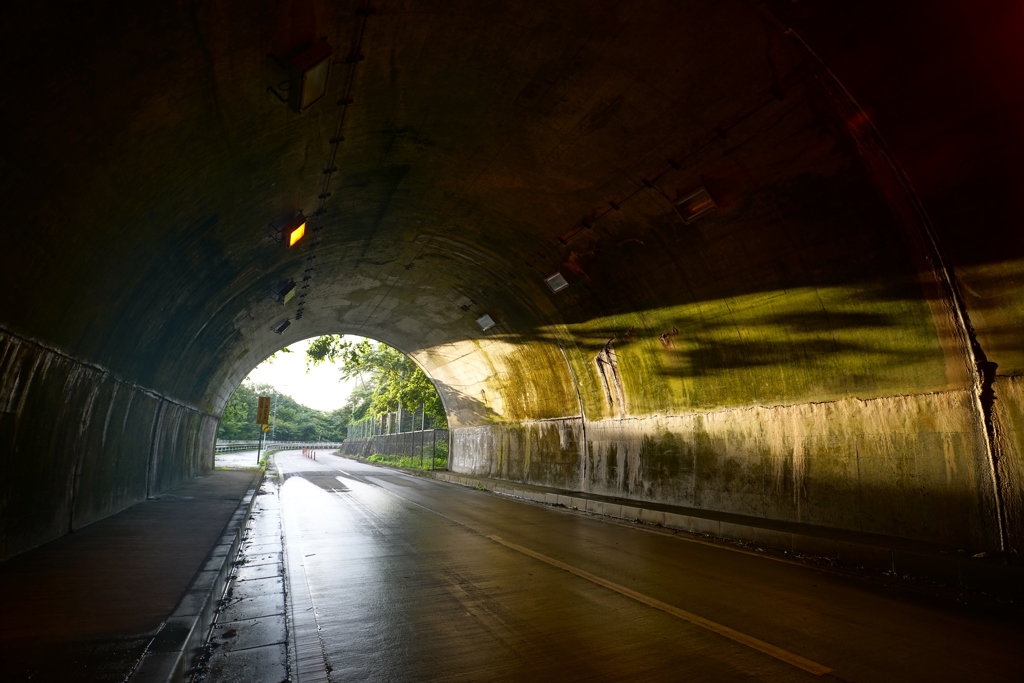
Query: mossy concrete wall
(907,466)
(1009,437)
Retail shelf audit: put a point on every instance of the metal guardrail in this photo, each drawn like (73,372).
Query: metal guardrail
(236,446)
(302,444)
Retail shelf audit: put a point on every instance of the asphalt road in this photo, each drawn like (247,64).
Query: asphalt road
(399,578)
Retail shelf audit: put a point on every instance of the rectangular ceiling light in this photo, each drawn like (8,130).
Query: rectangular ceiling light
(308,74)
(695,204)
(556,282)
(280,326)
(485,322)
(294,231)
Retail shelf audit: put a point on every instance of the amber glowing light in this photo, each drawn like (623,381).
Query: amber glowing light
(296,234)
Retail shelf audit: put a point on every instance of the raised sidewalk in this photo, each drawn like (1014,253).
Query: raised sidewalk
(129,597)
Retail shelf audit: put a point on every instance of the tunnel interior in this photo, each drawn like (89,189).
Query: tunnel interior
(789,235)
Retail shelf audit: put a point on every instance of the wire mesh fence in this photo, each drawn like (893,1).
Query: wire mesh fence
(399,438)
(423,449)
(398,422)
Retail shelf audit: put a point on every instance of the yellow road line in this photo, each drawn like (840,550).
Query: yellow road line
(731,634)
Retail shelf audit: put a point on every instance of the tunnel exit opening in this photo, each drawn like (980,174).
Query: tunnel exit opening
(360,395)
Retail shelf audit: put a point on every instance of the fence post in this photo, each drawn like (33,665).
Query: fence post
(433,448)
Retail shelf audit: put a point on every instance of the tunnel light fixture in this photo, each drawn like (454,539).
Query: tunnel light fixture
(556,282)
(294,231)
(280,326)
(485,322)
(284,291)
(308,73)
(695,204)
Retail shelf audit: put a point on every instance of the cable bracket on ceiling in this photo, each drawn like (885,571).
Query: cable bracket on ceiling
(355,56)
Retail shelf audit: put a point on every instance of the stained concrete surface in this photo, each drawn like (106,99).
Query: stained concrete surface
(248,641)
(909,466)
(411,579)
(85,607)
(814,349)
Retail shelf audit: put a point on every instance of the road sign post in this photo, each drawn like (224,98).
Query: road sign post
(262,418)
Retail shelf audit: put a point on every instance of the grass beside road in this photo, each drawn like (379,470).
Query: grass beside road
(407,462)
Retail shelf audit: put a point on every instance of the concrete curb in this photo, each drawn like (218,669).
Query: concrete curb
(990,575)
(172,653)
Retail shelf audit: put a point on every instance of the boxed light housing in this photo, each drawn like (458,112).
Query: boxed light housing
(695,204)
(307,77)
(556,282)
(485,322)
(284,291)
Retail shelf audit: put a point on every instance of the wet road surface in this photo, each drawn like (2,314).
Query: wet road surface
(398,578)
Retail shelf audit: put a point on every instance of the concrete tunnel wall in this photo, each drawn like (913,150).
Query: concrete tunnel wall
(838,343)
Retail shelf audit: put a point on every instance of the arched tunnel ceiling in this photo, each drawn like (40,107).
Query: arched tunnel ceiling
(862,158)
(485,147)
(479,141)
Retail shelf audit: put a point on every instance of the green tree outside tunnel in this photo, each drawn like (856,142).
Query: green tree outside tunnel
(394,379)
(388,378)
(294,421)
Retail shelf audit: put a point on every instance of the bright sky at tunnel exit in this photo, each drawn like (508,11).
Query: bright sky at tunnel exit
(321,388)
